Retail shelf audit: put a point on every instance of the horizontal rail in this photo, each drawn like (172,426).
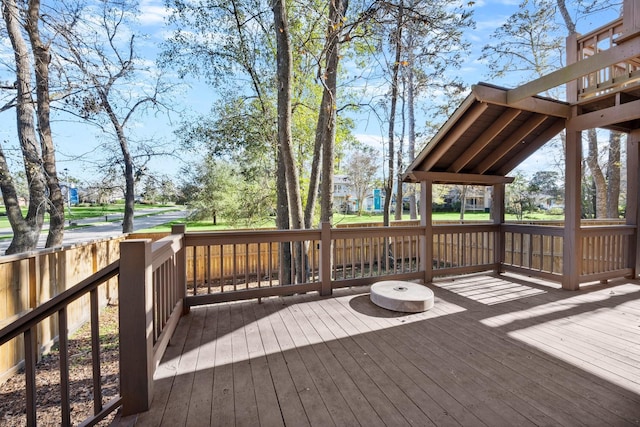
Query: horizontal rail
(55,304)
(542,230)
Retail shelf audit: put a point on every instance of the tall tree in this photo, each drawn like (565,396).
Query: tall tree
(326,125)
(613,175)
(42,57)
(104,62)
(36,146)
(395,73)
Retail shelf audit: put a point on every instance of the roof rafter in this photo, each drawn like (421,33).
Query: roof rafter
(484,139)
(513,140)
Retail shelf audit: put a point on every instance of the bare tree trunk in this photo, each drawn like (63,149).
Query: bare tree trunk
(399,192)
(413,211)
(571,26)
(613,175)
(42,58)
(26,230)
(598,176)
(284,60)
(336,12)
(388,188)
(282,220)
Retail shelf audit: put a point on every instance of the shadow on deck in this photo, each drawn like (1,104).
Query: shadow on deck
(495,350)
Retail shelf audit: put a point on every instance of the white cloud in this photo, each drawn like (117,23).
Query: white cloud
(153,12)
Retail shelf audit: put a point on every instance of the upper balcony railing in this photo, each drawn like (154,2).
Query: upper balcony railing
(610,78)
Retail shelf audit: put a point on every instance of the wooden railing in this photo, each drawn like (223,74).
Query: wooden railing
(609,78)
(227,266)
(464,248)
(28,280)
(26,327)
(605,252)
(150,295)
(159,281)
(534,250)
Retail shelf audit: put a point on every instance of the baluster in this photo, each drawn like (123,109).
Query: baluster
(95,352)
(63,344)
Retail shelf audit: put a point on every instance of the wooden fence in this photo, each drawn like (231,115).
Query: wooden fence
(28,280)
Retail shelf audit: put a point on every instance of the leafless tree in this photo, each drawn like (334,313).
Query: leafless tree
(34,136)
(109,85)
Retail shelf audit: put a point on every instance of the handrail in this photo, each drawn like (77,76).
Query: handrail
(36,315)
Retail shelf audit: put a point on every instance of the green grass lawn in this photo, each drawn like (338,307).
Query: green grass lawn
(83,211)
(207,225)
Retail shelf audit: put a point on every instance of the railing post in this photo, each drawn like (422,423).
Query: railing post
(426,221)
(325,259)
(181,267)
(572,238)
(497,217)
(135,292)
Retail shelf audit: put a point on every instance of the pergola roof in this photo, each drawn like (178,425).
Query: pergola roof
(486,138)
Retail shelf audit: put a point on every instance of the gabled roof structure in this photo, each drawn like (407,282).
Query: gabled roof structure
(495,129)
(486,136)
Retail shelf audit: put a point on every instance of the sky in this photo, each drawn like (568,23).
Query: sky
(194,97)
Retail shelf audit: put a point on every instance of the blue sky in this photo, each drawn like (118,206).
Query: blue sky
(74,139)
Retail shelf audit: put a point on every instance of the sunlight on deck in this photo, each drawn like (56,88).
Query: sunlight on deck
(489,290)
(594,331)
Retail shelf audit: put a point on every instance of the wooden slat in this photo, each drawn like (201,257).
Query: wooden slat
(494,350)
(244,392)
(266,397)
(288,398)
(201,399)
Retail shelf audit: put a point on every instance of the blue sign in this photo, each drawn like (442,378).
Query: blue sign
(73,196)
(377,200)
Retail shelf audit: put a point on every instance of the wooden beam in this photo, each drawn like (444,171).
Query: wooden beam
(508,144)
(450,139)
(484,139)
(621,53)
(498,96)
(633,198)
(532,147)
(457,178)
(460,111)
(572,240)
(630,20)
(606,117)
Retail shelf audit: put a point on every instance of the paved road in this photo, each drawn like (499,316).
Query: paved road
(97,228)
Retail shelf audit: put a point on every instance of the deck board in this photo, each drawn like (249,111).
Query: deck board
(494,350)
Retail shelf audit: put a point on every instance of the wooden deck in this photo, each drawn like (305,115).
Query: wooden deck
(495,351)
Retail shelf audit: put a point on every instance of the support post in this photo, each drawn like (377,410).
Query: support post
(181,267)
(497,217)
(572,247)
(325,259)
(426,221)
(633,198)
(135,292)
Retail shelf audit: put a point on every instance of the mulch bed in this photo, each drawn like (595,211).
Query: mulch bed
(12,392)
